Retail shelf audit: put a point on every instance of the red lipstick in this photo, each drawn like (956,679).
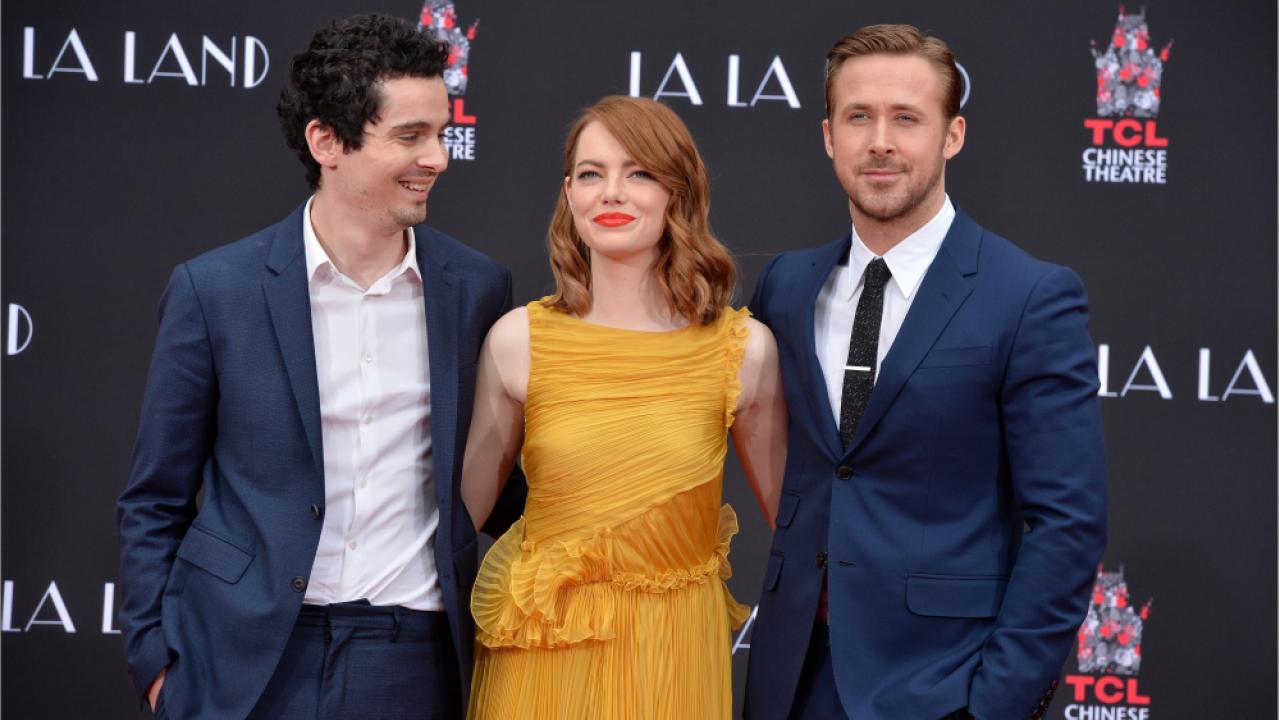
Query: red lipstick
(613,219)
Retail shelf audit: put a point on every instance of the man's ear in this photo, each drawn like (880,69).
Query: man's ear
(325,145)
(955,138)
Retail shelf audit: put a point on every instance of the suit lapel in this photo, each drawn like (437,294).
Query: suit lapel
(442,294)
(289,305)
(942,291)
(816,384)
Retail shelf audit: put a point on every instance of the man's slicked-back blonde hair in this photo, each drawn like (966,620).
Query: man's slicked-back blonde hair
(899,40)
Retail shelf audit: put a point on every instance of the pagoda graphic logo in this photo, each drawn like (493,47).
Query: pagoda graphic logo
(441,17)
(1130,70)
(1129,74)
(1110,640)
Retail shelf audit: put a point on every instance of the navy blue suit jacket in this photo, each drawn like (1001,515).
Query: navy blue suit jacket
(232,409)
(964,521)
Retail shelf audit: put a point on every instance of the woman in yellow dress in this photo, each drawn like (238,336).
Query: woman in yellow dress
(607,599)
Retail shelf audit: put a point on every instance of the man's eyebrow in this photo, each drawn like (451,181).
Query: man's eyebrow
(411,125)
(894,106)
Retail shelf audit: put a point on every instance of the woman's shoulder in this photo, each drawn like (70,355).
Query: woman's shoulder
(511,332)
(739,322)
(759,342)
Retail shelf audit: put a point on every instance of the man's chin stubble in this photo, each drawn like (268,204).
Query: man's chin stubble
(883,212)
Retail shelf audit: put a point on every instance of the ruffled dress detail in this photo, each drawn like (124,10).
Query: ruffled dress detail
(608,598)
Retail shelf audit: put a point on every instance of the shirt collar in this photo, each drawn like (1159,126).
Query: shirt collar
(908,261)
(318,260)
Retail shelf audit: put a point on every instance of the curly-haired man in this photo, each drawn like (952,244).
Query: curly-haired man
(314,380)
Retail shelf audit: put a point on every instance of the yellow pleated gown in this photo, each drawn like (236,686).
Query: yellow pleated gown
(607,598)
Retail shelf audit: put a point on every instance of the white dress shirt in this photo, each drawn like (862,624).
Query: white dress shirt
(838,300)
(380,518)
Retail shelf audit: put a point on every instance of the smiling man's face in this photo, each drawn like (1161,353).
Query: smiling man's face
(889,138)
(390,177)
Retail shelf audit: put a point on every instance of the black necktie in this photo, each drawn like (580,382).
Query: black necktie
(860,369)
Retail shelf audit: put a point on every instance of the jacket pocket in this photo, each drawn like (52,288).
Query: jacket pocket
(957,357)
(959,596)
(214,555)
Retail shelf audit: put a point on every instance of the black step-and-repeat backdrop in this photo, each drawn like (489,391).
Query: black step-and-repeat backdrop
(1136,145)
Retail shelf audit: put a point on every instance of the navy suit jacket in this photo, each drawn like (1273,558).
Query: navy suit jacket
(232,409)
(962,525)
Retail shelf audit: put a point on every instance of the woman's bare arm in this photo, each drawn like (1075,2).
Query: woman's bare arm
(760,423)
(497,423)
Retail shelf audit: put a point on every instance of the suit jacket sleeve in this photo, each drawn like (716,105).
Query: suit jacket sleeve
(1053,443)
(174,443)
(510,503)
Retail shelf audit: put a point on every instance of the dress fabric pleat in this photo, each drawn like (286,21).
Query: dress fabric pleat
(607,598)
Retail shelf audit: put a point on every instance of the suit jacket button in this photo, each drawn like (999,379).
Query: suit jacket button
(315,511)
(844,472)
(821,559)
(299,584)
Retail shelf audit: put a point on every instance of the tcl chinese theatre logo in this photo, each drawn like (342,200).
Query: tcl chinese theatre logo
(1126,146)
(1109,655)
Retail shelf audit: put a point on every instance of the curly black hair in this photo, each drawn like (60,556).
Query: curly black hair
(336,79)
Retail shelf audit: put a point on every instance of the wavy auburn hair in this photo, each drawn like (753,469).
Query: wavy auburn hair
(695,271)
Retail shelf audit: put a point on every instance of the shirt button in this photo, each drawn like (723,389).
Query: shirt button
(368,359)
(352,544)
(315,511)
(299,584)
(368,419)
(364,482)
(844,472)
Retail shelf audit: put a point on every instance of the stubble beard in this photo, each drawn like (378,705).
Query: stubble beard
(407,218)
(893,204)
